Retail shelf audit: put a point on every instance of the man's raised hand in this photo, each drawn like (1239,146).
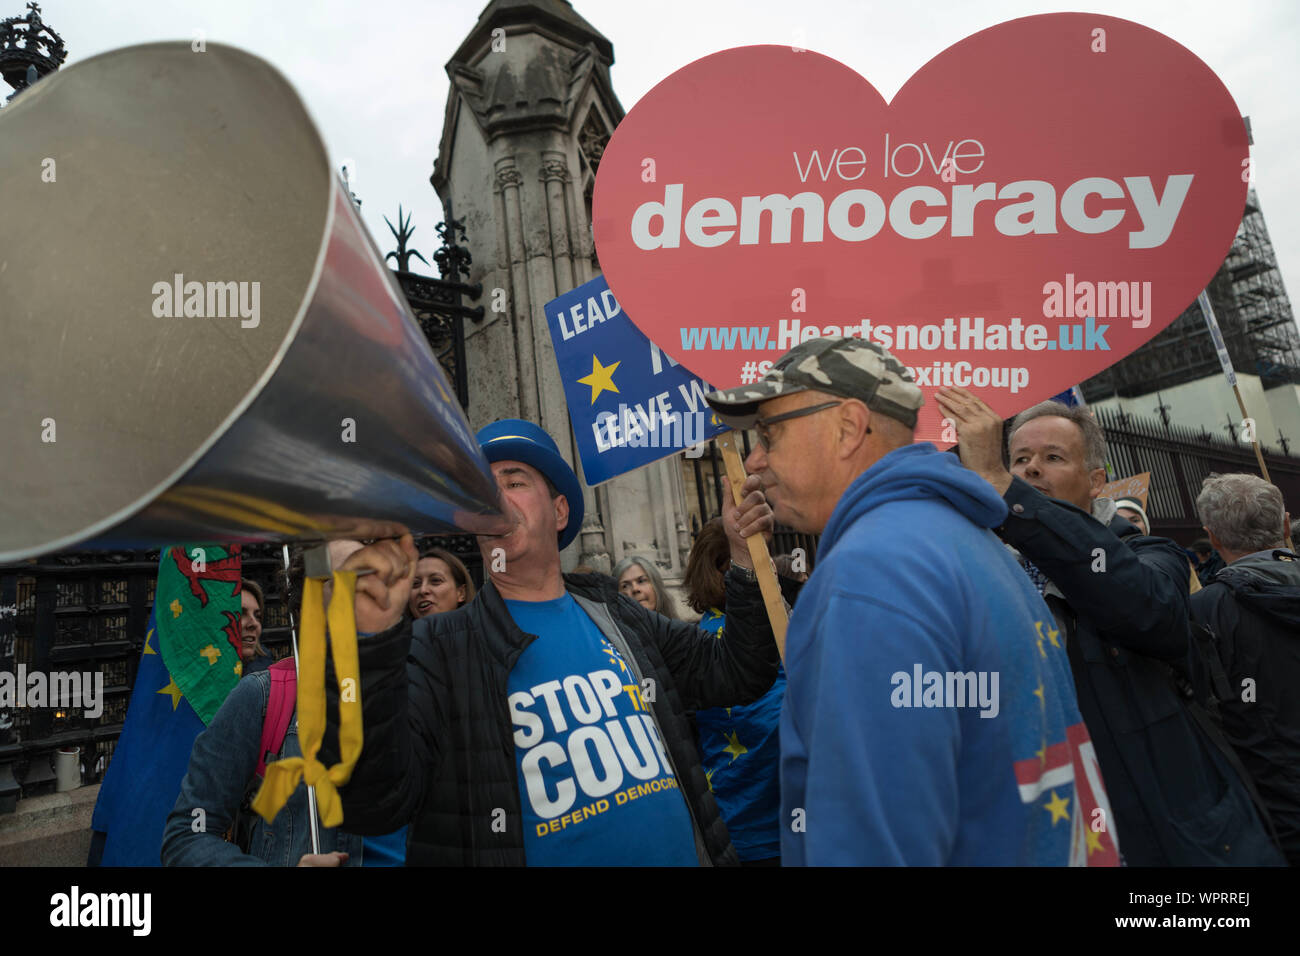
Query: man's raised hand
(752,516)
(382,596)
(979,430)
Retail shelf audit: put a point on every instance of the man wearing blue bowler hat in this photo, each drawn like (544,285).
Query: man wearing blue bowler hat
(544,722)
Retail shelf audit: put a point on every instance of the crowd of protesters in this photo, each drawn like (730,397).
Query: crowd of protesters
(1118,699)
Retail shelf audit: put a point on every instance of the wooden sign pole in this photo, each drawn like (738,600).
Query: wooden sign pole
(1259,457)
(1225,361)
(758,553)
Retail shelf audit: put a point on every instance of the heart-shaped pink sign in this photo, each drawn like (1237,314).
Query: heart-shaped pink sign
(1037,202)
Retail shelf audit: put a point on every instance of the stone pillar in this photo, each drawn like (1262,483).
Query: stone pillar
(508,180)
(529,111)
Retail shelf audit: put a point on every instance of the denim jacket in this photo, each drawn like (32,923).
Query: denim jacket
(223,761)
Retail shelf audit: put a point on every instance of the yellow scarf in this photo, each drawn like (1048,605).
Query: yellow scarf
(282,776)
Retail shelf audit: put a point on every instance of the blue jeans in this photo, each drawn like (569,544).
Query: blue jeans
(223,761)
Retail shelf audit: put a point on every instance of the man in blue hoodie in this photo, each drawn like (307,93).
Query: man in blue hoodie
(929,716)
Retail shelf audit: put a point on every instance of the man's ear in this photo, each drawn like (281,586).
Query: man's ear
(1096,481)
(855,423)
(561,512)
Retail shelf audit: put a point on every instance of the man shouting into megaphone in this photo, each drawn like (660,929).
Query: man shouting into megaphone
(544,723)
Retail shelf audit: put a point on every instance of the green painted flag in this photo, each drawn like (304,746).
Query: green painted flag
(197,605)
(195,619)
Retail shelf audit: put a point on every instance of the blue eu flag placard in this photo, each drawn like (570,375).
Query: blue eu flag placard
(148,764)
(194,620)
(630,404)
(1071,397)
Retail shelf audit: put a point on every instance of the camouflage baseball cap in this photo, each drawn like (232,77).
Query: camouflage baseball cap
(845,366)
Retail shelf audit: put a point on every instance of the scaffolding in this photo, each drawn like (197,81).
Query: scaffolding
(1254,314)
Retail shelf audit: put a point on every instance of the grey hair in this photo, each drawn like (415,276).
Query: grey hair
(663,603)
(1095,452)
(1244,511)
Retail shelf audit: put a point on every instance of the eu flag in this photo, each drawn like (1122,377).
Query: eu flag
(1071,397)
(199,602)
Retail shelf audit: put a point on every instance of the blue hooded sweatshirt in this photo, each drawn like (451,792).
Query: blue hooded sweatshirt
(930,716)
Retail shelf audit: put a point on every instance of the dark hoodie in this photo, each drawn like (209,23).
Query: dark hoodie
(1253,608)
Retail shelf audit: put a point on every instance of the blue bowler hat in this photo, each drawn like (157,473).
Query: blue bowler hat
(513,439)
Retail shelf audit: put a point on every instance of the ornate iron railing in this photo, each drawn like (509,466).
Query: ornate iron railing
(1179,459)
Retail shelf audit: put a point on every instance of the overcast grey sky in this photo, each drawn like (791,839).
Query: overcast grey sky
(372,72)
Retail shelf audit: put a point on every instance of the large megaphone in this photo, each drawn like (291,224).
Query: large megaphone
(198,339)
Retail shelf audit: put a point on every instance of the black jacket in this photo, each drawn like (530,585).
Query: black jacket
(1212,565)
(1123,607)
(1253,608)
(439,751)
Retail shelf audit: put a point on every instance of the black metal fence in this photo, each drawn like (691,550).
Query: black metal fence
(73,613)
(80,612)
(86,613)
(1179,459)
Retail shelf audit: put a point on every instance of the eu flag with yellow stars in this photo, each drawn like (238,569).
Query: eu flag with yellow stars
(190,661)
(629,403)
(1056,770)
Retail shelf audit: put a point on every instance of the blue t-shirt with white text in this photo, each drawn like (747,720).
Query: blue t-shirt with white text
(595,783)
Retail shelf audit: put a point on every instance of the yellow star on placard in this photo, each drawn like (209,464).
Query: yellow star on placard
(734,746)
(1041,753)
(1051,636)
(175,691)
(1094,840)
(211,653)
(239,668)
(601,378)
(1057,807)
(1038,626)
(708,777)
(176,608)
(1038,692)
(147,638)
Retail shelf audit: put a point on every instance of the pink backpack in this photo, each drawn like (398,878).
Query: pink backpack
(279,710)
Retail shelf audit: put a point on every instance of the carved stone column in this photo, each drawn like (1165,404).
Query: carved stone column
(555,174)
(529,111)
(511,225)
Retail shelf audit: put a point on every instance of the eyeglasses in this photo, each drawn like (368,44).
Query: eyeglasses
(761,425)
